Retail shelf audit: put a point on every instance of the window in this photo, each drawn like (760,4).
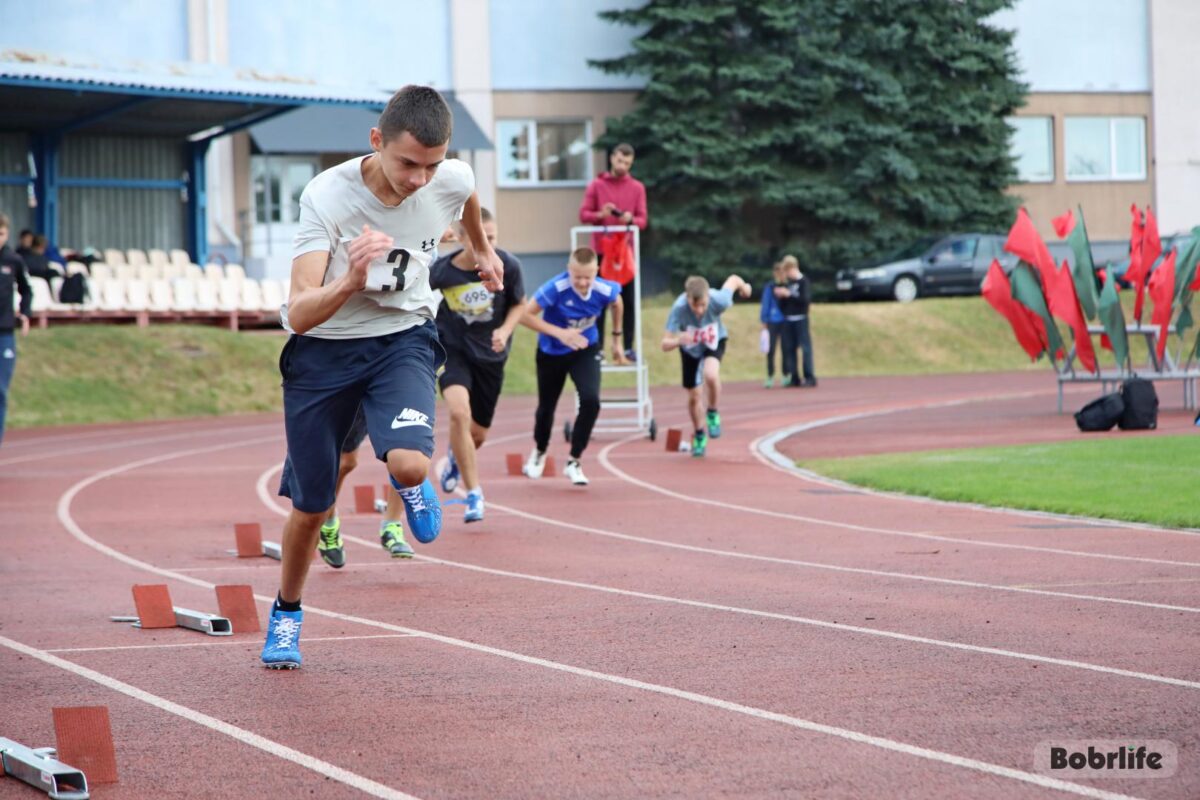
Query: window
(1105,148)
(540,153)
(278,183)
(1032,148)
(955,251)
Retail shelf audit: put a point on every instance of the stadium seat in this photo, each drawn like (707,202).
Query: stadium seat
(193,271)
(172,271)
(180,258)
(206,295)
(251,296)
(235,271)
(161,298)
(76,266)
(42,299)
(214,271)
(111,295)
(229,295)
(127,272)
(101,271)
(157,257)
(184,294)
(149,272)
(272,294)
(136,257)
(137,296)
(114,256)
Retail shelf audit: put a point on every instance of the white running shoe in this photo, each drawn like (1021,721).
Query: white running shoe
(535,465)
(574,473)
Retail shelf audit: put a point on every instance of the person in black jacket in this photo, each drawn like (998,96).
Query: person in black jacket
(794,297)
(12,275)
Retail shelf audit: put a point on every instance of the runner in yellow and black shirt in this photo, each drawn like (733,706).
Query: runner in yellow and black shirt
(475,326)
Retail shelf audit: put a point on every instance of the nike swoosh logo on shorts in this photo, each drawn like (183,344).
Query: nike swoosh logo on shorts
(407,423)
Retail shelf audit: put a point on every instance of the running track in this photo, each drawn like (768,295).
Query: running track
(681,628)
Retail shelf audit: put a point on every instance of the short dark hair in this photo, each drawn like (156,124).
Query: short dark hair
(485,215)
(583,256)
(26,232)
(421,111)
(39,240)
(625,149)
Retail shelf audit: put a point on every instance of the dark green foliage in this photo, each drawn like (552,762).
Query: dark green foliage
(839,130)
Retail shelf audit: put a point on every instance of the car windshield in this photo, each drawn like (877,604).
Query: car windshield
(913,250)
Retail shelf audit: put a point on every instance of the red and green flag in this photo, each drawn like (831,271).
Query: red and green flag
(1025,243)
(1064,305)
(1083,270)
(1112,317)
(1027,291)
(1162,292)
(1136,274)
(1026,325)
(1185,282)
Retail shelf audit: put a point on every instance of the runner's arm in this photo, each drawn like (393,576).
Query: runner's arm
(309,302)
(736,284)
(532,319)
(489,265)
(512,318)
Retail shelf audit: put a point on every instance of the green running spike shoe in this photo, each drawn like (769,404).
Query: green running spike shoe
(391,536)
(329,544)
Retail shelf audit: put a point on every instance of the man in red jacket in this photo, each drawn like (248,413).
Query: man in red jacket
(616,198)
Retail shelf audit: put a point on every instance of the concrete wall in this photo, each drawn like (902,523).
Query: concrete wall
(1105,204)
(539,220)
(118,31)
(1174,24)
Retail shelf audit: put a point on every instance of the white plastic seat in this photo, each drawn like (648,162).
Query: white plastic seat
(114,256)
(56,288)
(161,297)
(157,257)
(101,271)
(272,294)
(180,258)
(127,272)
(172,271)
(206,295)
(251,298)
(137,296)
(42,300)
(214,271)
(229,295)
(149,272)
(184,294)
(193,271)
(136,257)
(235,271)
(74,267)
(112,295)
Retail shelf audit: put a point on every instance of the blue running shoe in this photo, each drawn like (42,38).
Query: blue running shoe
(474,512)
(422,509)
(450,474)
(282,649)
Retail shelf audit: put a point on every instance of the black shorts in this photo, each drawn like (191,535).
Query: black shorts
(692,375)
(358,432)
(482,380)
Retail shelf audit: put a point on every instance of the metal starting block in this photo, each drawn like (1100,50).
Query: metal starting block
(40,769)
(193,620)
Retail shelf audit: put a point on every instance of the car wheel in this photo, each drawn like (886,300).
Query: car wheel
(905,289)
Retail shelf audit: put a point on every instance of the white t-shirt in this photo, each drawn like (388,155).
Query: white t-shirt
(333,209)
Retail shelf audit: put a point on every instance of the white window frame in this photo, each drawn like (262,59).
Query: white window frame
(1112,176)
(533,182)
(1049,122)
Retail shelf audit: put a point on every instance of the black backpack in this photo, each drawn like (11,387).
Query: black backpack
(74,289)
(1101,414)
(1141,405)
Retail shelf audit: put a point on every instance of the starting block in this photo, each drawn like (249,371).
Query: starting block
(249,539)
(84,737)
(154,610)
(674,437)
(41,769)
(236,603)
(364,499)
(513,463)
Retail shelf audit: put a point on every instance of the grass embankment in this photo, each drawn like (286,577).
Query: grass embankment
(1136,479)
(99,373)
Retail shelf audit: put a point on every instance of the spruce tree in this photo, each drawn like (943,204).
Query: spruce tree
(836,129)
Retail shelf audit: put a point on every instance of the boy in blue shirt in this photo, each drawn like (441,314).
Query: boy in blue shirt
(694,326)
(568,344)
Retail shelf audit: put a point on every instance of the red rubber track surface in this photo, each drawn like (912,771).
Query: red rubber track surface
(682,627)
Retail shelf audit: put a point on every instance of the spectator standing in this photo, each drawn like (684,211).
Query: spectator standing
(772,325)
(794,297)
(616,198)
(12,276)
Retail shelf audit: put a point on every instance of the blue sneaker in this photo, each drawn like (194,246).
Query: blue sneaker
(422,509)
(450,474)
(474,512)
(282,648)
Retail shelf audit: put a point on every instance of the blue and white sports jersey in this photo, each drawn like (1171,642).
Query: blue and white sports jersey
(564,307)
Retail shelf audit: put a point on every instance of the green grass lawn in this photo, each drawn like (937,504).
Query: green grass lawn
(100,373)
(1137,478)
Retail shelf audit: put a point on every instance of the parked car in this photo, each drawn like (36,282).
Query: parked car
(954,264)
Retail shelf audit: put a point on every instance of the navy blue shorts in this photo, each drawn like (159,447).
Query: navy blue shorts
(325,381)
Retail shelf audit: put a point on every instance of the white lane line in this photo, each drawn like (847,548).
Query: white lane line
(273,567)
(764,448)
(269,501)
(606,462)
(116,432)
(322,768)
(243,642)
(64,515)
